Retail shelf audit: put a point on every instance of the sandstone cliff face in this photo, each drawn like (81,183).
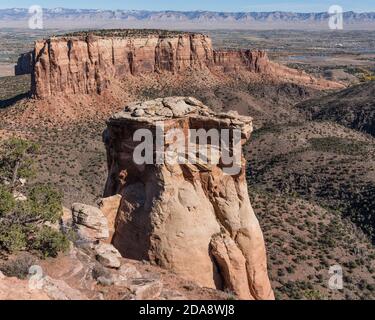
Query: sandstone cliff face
(191,218)
(88,64)
(254,61)
(24,64)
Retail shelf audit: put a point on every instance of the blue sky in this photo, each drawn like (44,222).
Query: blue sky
(212,5)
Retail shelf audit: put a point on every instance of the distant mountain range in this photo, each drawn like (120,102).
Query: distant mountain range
(90,18)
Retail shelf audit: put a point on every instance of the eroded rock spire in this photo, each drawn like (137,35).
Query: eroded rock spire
(192,218)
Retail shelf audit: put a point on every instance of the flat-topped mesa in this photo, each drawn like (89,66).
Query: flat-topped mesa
(87,62)
(190,217)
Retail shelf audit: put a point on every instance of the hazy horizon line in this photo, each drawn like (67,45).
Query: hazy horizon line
(168,10)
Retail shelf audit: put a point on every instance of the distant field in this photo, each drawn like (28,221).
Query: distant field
(346,56)
(12,89)
(6,69)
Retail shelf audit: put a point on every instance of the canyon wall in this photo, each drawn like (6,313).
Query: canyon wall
(192,218)
(25,64)
(89,63)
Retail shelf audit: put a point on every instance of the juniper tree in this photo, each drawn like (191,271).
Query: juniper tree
(23,224)
(17,160)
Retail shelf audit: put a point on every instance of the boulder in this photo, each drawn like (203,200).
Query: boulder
(125,275)
(146,289)
(129,271)
(90,222)
(60,290)
(109,206)
(108,255)
(66,221)
(106,281)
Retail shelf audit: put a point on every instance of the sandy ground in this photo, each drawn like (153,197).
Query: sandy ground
(6,69)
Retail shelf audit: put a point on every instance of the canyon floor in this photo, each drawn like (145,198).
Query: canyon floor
(311,178)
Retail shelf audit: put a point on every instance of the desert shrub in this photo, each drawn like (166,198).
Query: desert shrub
(311,294)
(23,223)
(50,242)
(280,272)
(17,160)
(290,269)
(45,203)
(13,238)
(338,145)
(18,267)
(23,227)
(7,202)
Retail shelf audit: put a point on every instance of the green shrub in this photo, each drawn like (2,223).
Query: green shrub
(7,202)
(50,242)
(22,223)
(13,238)
(45,203)
(17,160)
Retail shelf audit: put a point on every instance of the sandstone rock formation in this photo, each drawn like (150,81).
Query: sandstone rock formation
(89,222)
(146,289)
(108,255)
(191,218)
(25,64)
(95,272)
(89,63)
(109,206)
(234,60)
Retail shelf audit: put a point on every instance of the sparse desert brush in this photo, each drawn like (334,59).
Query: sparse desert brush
(19,266)
(22,221)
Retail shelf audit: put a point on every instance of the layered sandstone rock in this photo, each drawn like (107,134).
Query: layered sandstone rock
(235,60)
(195,219)
(90,222)
(89,63)
(25,64)
(109,206)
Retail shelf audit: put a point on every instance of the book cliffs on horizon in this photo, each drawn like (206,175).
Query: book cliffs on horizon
(81,10)
(190,20)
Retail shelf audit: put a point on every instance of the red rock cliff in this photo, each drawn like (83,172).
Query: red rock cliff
(24,64)
(88,63)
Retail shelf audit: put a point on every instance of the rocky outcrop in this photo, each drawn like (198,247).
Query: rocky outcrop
(95,272)
(109,206)
(192,218)
(89,63)
(25,64)
(108,255)
(235,60)
(89,222)
(46,289)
